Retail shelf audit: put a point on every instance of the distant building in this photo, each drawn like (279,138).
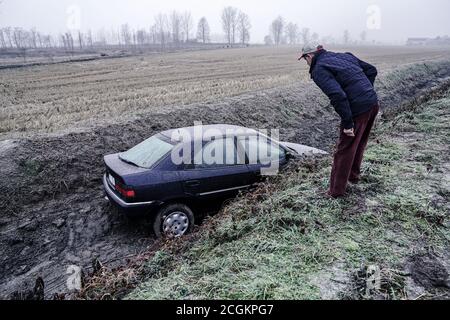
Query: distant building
(417,41)
(438,41)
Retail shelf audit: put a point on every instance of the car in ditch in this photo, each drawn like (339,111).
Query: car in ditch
(171,174)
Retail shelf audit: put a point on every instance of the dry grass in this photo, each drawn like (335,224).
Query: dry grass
(58,97)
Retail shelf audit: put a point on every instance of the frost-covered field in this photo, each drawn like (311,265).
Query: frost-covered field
(52,98)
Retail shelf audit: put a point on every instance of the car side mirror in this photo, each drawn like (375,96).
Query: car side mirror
(290,156)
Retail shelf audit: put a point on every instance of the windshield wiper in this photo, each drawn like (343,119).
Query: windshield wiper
(292,149)
(128,161)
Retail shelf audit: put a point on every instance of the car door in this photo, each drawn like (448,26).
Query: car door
(221,171)
(265,157)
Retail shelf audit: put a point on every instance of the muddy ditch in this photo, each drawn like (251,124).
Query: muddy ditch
(53,214)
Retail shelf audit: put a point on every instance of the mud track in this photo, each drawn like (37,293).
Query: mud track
(53,214)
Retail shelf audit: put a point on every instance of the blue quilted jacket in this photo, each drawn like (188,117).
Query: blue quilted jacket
(347,81)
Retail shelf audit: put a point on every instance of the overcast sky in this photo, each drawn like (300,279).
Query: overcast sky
(384,20)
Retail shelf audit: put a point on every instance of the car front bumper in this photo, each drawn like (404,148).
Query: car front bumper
(127,206)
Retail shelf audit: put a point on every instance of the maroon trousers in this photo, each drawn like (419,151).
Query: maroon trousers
(350,152)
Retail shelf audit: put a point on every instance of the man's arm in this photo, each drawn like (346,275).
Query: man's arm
(326,81)
(370,70)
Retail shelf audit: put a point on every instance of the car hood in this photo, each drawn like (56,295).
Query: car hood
(301,149)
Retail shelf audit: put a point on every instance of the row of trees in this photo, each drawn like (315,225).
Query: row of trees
(175,29)
(236,24)
(20,38)
(289,33)
(281,32)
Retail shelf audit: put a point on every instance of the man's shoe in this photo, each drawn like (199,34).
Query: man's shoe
(328,195)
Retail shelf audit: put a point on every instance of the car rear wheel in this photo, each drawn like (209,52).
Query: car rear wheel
(173,221)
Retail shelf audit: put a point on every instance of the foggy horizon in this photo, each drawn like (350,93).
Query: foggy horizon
(384,21)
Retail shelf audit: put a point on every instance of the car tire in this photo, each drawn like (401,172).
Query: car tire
(172,221)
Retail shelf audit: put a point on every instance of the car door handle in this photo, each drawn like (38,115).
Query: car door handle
(193,183)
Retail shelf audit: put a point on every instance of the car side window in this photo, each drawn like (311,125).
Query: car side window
(218,153)
(261,150)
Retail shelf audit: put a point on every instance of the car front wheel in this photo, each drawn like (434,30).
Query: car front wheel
(173,221)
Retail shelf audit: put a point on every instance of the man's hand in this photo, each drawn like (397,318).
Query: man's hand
(350,132)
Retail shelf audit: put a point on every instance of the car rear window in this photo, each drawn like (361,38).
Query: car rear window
(148,153)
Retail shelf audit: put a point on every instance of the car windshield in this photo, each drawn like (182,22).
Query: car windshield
(147,153)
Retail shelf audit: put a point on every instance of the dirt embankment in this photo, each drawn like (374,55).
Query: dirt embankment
(53,212)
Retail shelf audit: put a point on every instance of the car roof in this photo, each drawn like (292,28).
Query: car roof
(211,131)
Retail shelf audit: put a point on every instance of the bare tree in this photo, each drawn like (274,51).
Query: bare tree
(346,37)
(101,37)
(89,39)
(306,38)
(315,37)
(119,37)
(154,34)
(80,40)
(162,26)
(69,42)
(134,39)
(175,23)
(51,42)
(125,34)
(268,40)
(63,42)
(187,24)
(244,27)
(2,39)
(43,40)
(292,33)
(2,36)
(363,36)
(234,24)
(276,29)
(203,31)
(328,40)
(34,38)
(19,38)
(141,36)
(8,35)
(40,40)
(229,23)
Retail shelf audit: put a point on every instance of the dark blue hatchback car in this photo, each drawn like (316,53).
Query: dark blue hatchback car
(172,173)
